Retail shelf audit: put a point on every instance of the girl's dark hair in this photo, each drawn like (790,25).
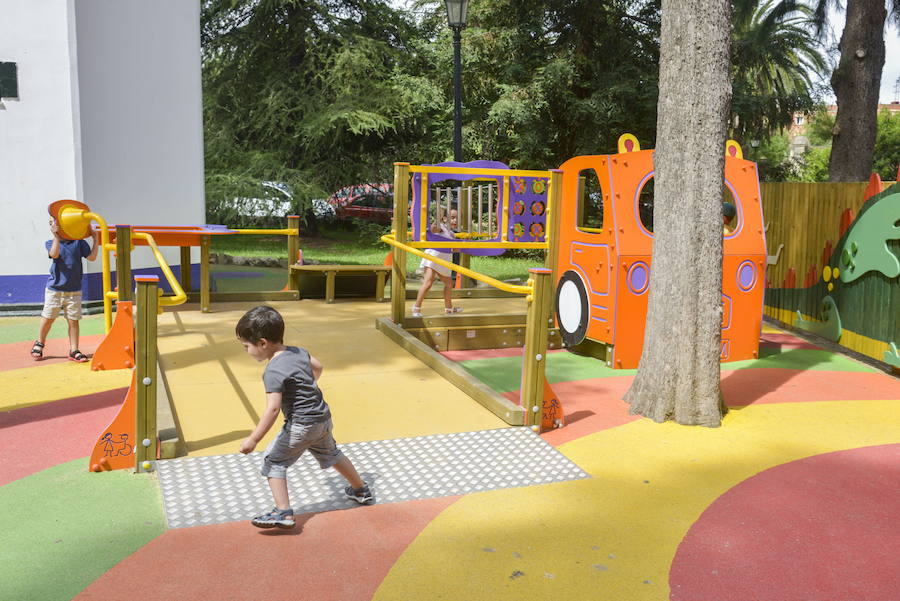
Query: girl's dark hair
(260,322)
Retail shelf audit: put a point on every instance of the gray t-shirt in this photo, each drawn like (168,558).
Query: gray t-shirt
(291,374)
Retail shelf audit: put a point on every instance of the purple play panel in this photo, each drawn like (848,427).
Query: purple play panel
(526,210)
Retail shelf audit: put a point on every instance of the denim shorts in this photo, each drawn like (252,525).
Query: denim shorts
(293,440)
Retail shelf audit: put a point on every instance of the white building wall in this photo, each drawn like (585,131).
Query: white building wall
(37,152)
(109,113)
(141,119)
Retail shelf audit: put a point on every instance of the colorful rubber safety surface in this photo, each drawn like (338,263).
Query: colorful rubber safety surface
(794,497)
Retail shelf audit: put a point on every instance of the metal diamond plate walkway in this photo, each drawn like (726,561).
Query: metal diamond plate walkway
(224,488)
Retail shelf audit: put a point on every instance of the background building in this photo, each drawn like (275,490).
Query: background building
(107,110)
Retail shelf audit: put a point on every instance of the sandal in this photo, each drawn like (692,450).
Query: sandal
(37,350)
(77,356)
(452,310)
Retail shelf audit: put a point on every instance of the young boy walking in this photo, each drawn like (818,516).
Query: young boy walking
(63,293)
(290,382)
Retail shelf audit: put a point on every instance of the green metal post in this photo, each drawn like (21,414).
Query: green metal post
(535,353)
(123,263)
(145,373)
(400,224)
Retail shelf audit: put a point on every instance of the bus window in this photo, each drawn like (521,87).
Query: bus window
(645,204)
(730,215)
(590,202)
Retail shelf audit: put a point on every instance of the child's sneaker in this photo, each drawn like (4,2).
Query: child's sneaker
(452,310)
(281,518)
(416,311)
(363,496)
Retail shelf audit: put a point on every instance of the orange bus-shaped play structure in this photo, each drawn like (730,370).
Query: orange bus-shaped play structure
(604,267)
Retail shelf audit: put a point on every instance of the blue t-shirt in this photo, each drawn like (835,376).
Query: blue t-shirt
(66,269)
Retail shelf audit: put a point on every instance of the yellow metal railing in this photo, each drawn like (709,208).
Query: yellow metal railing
(178,297)
(514,288)
(282,232)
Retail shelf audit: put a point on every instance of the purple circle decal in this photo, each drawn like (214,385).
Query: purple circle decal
(638,278)
(746,275)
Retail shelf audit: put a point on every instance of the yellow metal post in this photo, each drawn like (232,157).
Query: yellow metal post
(534,357)
(145,357)
(293,240)
(400,223)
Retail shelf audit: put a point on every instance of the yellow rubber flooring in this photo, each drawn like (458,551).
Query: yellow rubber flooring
(376,389)
(614,536)
(45,383)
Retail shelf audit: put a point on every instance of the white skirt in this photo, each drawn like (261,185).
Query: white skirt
(440,269)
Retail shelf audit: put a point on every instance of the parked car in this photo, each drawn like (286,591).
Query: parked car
(369,202)
(323,210)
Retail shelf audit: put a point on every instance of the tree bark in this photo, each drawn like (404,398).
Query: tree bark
(856,83)
(678,375)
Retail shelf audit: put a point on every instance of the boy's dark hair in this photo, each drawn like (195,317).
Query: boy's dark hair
(260,322)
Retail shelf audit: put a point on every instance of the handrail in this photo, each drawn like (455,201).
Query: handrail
(104,263)
(478,171)
(281,232)
(178,297)
(514,288)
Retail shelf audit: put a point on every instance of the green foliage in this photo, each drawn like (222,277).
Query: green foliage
(814,165)
(369,233)
(887,146)
(545,81)
(819,128)
(774,55)
(320,95)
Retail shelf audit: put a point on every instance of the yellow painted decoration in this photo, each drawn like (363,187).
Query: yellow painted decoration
(830,286)
(628,143)
(826,273)
(733,149)
(835,272)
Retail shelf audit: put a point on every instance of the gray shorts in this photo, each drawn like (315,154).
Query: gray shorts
(290,443)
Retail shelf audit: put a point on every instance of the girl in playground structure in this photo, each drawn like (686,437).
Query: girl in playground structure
(290,381)
(63,292)
(432,269)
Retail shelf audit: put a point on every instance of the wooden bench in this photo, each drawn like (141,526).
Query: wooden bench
(331,271)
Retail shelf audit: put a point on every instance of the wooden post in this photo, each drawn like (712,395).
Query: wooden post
(329,286)
(186,268)
(204,273)
(554,199)
(400,224)
(534,357)
(123,263)
(145,443)
(379,286)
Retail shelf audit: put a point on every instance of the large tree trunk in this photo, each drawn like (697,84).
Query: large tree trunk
(856,83)
(678,375)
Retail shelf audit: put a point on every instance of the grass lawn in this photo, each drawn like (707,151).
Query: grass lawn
(342,246)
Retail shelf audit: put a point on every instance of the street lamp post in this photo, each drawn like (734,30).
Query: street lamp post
(456,18)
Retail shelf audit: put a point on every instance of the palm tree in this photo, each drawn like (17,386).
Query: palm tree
(774,56)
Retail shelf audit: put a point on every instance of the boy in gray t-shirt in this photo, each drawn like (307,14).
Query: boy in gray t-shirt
(290,380)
